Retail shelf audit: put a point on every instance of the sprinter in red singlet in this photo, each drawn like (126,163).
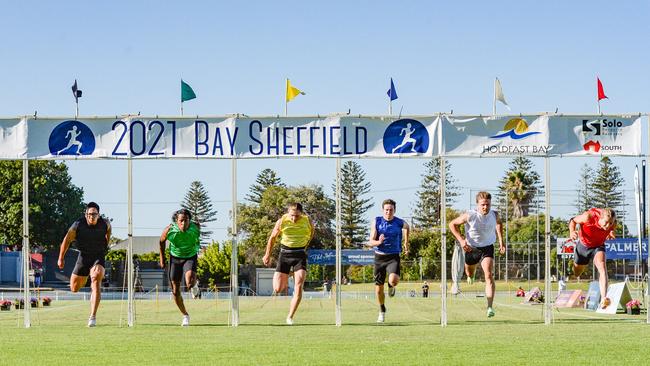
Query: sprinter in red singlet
(596,226)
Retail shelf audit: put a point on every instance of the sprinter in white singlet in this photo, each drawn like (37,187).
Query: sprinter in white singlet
(482,228)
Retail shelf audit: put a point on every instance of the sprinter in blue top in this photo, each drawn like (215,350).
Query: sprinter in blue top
(387,234)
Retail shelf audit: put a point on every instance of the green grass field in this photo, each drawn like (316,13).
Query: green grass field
(411,334)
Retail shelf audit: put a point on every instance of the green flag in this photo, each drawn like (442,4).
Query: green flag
(186,92)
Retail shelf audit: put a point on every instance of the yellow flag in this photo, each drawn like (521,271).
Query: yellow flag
(292,91)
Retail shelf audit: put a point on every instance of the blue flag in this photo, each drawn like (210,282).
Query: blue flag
(392,93)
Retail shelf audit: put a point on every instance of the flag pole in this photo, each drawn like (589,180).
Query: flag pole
(286,90)
(599,106)
(76,116)
(494,101)
(390,107)
(181,108)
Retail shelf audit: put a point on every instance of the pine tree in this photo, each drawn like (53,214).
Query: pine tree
(607,184)
(354,228)
(427,209)
(518,188)
(198,203)
(585,197)
(265,179)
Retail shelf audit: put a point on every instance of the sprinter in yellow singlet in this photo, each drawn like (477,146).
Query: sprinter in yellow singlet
(296,232)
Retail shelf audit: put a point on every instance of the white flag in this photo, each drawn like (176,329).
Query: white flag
(498,93)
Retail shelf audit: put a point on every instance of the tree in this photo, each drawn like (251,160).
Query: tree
(198,203)
(256,220)
(214,264)
(606,186)
(427,209)
(585,196)
(265,179)
(427,244)
(518,188)
(354,228)
(54,203)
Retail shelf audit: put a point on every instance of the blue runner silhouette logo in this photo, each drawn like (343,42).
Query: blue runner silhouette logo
(406,136)
(72,138)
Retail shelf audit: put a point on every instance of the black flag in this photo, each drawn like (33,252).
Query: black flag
(76,92)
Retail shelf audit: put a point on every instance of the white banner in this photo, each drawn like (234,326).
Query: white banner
(589,135)
(140,137)
(227,137)
(490,136)
(13,138)
(541,136)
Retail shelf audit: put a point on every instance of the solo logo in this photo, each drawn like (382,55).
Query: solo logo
(595,126)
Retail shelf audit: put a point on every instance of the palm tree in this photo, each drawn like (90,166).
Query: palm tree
(518,188)
(519,192)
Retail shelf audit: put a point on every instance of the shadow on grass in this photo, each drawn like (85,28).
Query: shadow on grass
(353,324)
(167,325)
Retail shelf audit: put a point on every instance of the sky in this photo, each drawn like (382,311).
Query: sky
(129,57)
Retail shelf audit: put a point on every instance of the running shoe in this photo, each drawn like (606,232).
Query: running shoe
(455,289)
(195,291)
(391,291)
(470,280)
(381,317)
(490,312)
(92,322)
(186,321)
(289,321)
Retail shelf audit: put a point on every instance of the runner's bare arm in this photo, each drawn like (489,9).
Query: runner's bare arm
(499,229)
(406,230)
(311,231)
(580,219)
(453,227)
(70,236)
(163,243)
(269,245)
(375,240)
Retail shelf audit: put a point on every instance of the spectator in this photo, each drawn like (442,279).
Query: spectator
(37,278)
(521,292)
(425,289)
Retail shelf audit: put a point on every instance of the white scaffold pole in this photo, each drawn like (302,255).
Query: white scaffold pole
(129,255)
(234,263)
(25,254)
(548,314)
(443,244)
(647,218)
(338,242)
(506,239)
(639,251)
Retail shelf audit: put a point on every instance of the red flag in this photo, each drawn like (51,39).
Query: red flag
(601,92)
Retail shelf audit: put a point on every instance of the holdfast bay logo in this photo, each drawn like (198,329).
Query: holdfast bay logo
(406,136)
(71,138)
(516,129)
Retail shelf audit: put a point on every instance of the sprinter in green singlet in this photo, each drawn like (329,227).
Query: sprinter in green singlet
(184,244)
(297,231)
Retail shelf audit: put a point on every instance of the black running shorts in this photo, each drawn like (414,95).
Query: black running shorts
(477,254)
(86,261)
(178,267)
(582,255)
(291,260)
(385,263)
